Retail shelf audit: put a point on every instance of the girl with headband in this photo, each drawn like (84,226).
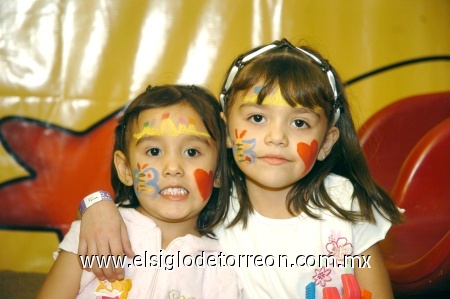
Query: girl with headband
(303,207)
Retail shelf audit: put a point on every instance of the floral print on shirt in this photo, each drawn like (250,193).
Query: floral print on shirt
(339,247)
(322,276)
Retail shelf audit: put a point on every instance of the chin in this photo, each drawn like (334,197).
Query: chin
(274,184)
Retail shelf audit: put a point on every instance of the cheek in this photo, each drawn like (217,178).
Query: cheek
(204,181)
(308,153)
(243,147)
(146,180)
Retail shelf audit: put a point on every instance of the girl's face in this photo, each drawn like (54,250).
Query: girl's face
(276,145)
(171,163)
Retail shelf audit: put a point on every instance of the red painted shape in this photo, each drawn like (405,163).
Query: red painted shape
(67,168)
(204,182)
(307,153)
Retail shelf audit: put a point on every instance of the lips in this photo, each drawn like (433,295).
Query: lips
(274,159)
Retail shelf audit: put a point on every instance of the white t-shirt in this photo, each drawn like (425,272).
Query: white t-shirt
(160,274)
(282,243)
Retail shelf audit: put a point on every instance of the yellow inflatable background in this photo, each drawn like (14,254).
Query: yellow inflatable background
(71,63)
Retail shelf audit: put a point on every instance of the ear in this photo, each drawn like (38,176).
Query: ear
(216,182)
(229,143)
(123,170)
(330,139)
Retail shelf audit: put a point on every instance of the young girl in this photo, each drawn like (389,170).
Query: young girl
(301,187)
(169,149)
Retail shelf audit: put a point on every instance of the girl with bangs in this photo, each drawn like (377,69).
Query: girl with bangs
(303,207)
(168,155)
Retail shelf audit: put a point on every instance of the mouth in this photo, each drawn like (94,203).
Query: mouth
(174,193)
(274,159)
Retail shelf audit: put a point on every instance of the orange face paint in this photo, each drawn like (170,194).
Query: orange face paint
(204,182)
(308,153)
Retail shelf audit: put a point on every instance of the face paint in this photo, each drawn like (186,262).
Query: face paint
(167,127)
(243,148)
(204,182)
(146,180)
(307,153)
(272,99)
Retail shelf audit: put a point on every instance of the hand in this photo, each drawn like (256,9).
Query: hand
(103,232)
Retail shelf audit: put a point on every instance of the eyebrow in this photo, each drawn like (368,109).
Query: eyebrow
(189,137)
(197,138)
(298,109)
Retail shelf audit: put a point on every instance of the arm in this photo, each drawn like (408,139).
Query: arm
(376,278)
(63,280)
(103,232)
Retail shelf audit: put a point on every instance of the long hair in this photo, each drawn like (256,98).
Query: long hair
(304,82)
(208,108)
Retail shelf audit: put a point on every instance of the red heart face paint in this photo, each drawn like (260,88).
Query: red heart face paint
(204,182)
(307,153)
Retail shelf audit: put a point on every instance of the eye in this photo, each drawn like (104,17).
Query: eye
(257,118)
(154,151)
(192,152)
(301,124)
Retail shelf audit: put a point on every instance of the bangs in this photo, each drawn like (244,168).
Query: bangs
(301,81)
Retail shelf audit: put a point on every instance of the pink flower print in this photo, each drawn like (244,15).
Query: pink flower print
(339,248)
(322,276)
(334,236)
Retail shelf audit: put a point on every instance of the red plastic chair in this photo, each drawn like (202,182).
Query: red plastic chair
(389,136)
(417,252)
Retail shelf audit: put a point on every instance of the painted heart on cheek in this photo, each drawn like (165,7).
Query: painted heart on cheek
(307,153)
(204,182)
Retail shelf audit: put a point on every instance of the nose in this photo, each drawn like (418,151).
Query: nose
(276,134)
(173,166)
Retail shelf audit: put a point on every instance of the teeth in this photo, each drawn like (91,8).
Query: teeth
(174,191)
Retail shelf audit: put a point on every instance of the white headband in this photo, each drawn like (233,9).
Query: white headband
(242,60)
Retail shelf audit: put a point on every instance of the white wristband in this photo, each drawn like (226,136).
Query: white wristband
(93,198)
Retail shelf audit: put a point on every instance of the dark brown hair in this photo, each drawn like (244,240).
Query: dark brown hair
(208,109)
(303,81)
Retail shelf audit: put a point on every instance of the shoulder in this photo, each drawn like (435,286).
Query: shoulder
(132,217)
(340,190)
(335,182)
(365,233)
(71,239)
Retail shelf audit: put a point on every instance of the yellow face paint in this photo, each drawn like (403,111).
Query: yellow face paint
(167,127)
(273,99)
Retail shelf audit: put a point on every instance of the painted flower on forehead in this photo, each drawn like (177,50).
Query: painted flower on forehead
(167,127)
(273,99)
